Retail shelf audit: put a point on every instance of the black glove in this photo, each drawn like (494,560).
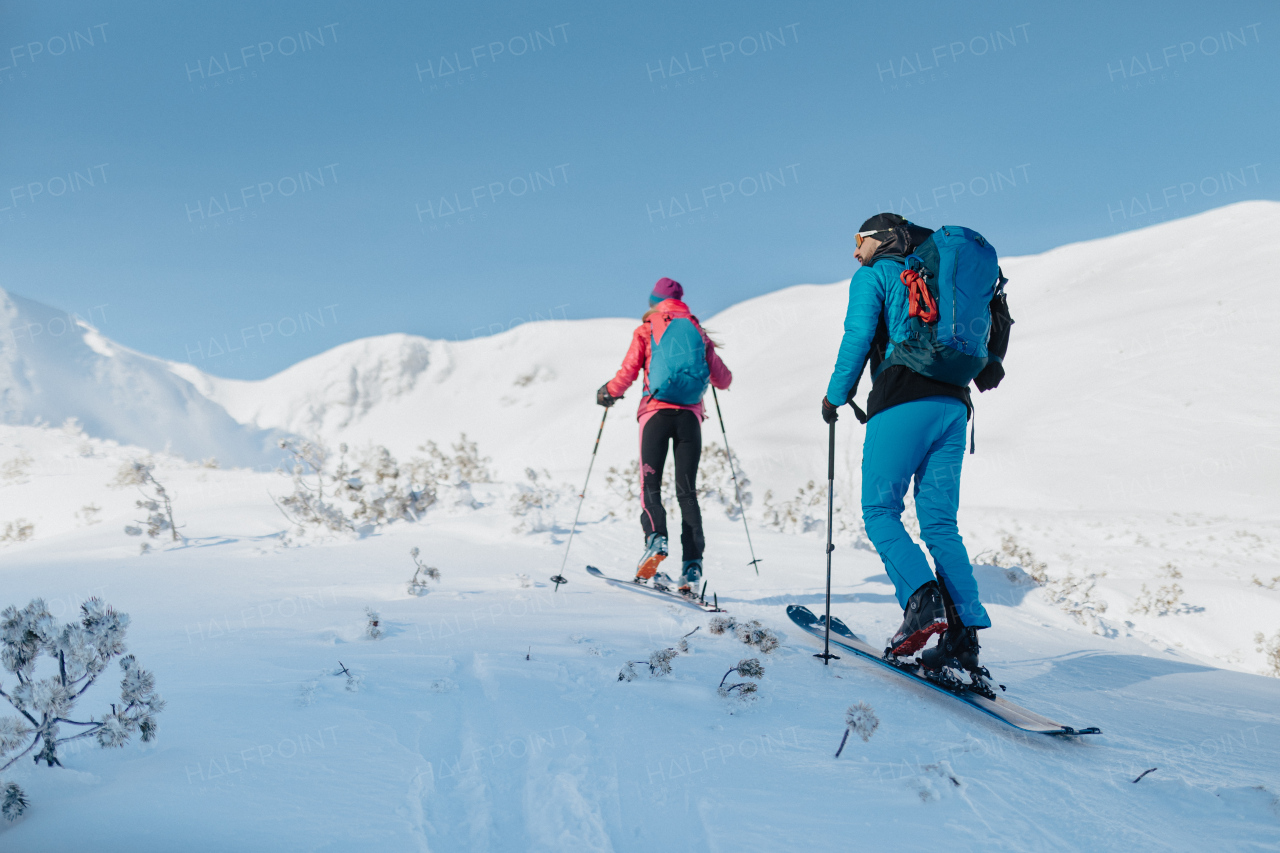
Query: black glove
(603,398)
(830,413)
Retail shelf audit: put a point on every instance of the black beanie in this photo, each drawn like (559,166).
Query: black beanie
(882,222)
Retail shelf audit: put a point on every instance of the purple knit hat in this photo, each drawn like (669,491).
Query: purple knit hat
(666,288)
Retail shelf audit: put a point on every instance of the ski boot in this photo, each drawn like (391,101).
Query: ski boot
(925,615)
(955,657)
(655,552)
(690,576)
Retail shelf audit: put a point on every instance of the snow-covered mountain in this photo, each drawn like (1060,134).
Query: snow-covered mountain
(489,714)
(54,366)
(1136,379)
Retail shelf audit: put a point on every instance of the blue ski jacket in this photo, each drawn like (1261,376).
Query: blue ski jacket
(875,292)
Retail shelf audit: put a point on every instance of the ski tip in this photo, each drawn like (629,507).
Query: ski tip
(1068,731)
(592,570)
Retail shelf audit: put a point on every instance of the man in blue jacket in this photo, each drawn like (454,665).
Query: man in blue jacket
(915,429)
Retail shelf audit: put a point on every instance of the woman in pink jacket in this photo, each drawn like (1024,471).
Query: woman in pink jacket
(679,360)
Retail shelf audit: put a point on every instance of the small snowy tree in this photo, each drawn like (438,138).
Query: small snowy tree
(373,629)
(155,500)
(1271,650)
(17,531)
(380,489)
(423,573)
(532,500)
(748,668)
(860,719)
(307,507)
(659,664)
(78,653)
(752,633)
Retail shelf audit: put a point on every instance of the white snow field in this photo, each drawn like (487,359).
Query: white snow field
(1129,459)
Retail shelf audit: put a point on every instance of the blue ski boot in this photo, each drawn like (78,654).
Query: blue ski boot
(690,577)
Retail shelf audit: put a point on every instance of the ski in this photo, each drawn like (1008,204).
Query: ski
(658,591)
(999,707)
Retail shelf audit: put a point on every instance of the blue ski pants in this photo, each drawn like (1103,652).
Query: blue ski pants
(921,440)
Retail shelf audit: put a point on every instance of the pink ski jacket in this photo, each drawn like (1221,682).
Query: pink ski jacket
(639,353)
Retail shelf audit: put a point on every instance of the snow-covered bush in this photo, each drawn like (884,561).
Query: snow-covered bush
(464,467)
(17,531)
(374,490)
(1013,554)
(533,501)
(860,719)
(747,668)
(752,633)
(15,470)
(307,506)
(155,500)
(805,512)
(423,573)
(1071,594)
(659,664)
(373,627)
(1271,650)
(1165,600)
(78,653)
(380,490)
(715,481)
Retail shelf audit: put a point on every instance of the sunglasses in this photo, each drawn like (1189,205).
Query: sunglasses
(862,235)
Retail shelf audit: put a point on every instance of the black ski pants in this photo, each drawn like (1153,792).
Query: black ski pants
(681,429)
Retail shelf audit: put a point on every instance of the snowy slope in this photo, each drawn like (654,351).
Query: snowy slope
(490,717)
(1142,353)
(1131,449)
(54,366)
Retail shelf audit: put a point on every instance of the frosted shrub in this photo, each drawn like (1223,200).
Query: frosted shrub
(78,652)
(155,500)
(748,668)
(1271,650)
(805,512)
(464,467)
(373,627)
(423,573)
(17,531)
(715,481)
(15,470)
(1071,594)
(380,490)
(860,719)
(533,500)
(1013,554)
(752,633)
(374,490)
(659,664)
(1166,599)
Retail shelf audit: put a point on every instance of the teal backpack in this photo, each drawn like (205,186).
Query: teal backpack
(954,281)
(678,370)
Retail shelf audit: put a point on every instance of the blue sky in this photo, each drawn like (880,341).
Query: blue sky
(242,188)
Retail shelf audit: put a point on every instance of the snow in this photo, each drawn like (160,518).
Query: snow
(1131,433)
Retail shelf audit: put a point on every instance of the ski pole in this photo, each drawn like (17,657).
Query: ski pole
(826,655)
(755,563)
(559,579)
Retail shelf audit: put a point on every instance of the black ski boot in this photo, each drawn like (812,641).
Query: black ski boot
(957,653)
(957,647)
(925,615)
